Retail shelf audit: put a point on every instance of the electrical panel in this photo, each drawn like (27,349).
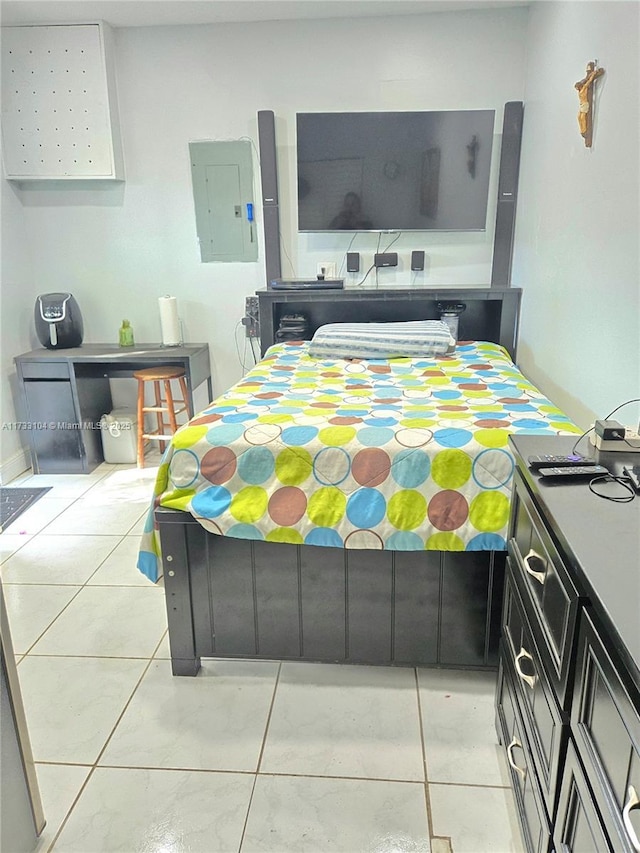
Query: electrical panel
(222,176)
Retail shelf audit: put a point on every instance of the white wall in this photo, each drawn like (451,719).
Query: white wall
(118,248)
(578,225)
(16,319)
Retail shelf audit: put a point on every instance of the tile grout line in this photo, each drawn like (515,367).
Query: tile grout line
(28,538)
(30,653)
(121,538)
(427,798)
(65,583)
(266,728)
(262,747)
(94,766)
(157,648)
(255,773)
(93,657)
(99,566)
(80,587)
(276,774)
(42,529)
(55,618)
(82,496)
(71,807)
(472,785)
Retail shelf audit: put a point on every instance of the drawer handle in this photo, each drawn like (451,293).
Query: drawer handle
(515,742)
(528,679)
(531,556)
(632,803)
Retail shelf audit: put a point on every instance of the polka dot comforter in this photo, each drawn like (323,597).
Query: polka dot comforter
(404,454)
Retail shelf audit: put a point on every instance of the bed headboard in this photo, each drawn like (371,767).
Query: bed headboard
(491,313)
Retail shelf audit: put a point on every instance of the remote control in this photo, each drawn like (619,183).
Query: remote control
(584,471)
(574,460)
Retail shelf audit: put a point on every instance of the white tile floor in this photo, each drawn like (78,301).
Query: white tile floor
(248,756)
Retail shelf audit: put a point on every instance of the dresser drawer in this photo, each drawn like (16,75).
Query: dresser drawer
(545,724)
(548,593)
(534,823)
(606,726)
(45,369)
(578,827)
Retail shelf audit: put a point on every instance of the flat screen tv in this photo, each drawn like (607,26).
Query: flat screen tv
(394,171)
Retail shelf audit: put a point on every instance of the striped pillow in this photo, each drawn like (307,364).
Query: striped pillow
(381,340)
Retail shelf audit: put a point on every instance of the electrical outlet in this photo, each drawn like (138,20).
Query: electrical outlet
(327,269)
(251,319)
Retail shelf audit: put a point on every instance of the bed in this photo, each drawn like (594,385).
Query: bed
(327,509)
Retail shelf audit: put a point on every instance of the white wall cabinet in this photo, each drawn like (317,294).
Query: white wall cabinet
(59,107)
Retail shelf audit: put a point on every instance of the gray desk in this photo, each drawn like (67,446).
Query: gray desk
(65,392)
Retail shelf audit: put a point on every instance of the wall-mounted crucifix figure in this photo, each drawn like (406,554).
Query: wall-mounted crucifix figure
(585,95)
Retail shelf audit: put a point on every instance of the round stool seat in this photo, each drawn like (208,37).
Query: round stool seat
(154,374)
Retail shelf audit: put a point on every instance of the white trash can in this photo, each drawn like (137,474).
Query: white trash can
(119,431)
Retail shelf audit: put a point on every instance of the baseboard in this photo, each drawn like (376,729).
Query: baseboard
(14,466)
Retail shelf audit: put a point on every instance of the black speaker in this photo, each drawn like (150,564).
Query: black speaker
(271,225)
(353,261)
(507,194)
(269,179)
(385,259)
(417,260)
(268,168)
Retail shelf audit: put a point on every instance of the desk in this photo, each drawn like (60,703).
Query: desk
(65,392)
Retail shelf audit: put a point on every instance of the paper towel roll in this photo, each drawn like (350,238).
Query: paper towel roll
(169,322)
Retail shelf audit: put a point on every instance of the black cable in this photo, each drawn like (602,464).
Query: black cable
(611,478)
(617,409)
(621,406)
(240,357)
(397,237)
(366,275)
(575,446)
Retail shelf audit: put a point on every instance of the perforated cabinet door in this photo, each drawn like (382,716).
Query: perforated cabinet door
(59,111)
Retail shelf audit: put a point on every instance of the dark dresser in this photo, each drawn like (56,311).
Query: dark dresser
(568,692)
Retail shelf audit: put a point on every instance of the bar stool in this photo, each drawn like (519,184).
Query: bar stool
(162,404)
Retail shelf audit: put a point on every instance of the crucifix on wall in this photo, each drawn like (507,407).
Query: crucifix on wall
(585,96)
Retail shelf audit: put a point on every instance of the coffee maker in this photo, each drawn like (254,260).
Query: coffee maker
(58,321)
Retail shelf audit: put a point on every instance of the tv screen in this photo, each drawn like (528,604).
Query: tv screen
(394,171)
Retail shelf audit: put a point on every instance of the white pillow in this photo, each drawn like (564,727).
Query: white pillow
(415,339)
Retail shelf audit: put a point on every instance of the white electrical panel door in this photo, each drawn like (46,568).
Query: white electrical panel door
(59,114)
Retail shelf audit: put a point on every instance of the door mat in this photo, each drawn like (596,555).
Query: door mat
(13,503)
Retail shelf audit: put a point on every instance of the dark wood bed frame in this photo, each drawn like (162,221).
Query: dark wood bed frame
(230,597)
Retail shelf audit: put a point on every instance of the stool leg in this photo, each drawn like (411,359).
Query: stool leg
(140,423)
(159,401)
(170,407)
(185,395)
